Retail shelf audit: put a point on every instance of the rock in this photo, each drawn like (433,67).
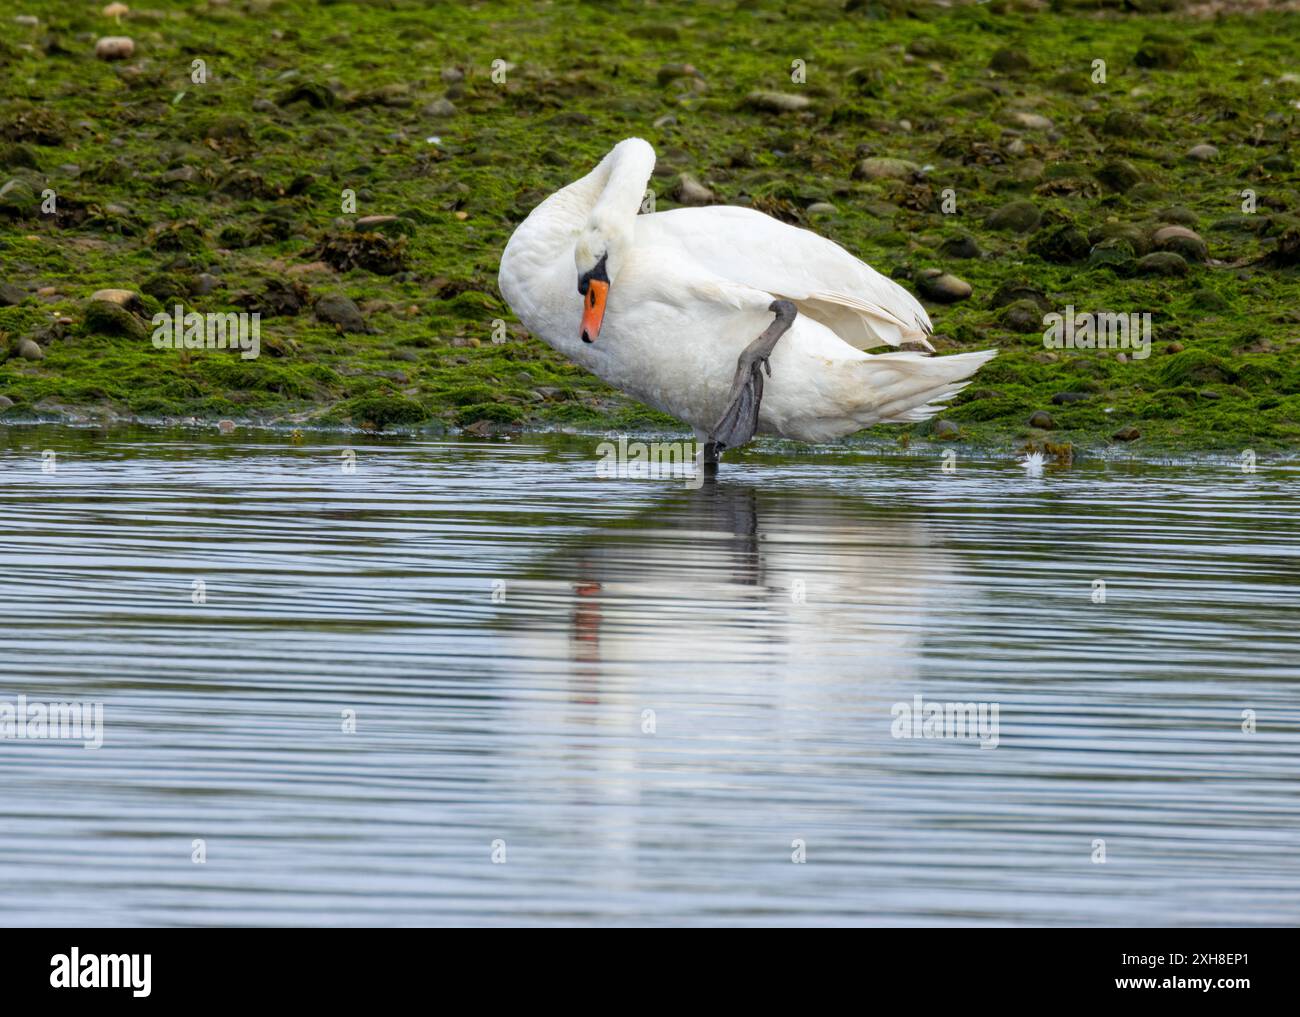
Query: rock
(942,287)
(11,295)
(1030,121)
(336,309)
(116,10)
(104,317)
(1162,263)
(1119,175)
(1127,434)
(225,426)
(17,199)
(1161,52)
(777,102)
(262,105)
(1061,244)
(1018,217)
(1113,252)
(1023,316)
(481,429)
(179,175)
(1065,398)
(963,247)
(1010,61)
(945,429)
(1178,215)
(1017,289)
(1123,124)
(5,402)
(205,284)
(115,47)
(28,350)
(690,191)
(1042,420)
(440,108)
(313,94)
(1135,236)
(1203,153)
(123,298)
(821,208)
(1205,393)
(885,168)
(1180,240)
(1174,348)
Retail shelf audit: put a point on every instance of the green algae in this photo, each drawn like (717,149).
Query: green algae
(216,193)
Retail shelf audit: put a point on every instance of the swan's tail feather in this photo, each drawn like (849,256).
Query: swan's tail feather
(910,387)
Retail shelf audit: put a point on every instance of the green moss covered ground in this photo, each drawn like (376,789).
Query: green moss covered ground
(228,195)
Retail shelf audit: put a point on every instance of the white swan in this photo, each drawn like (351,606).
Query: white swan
(667,307)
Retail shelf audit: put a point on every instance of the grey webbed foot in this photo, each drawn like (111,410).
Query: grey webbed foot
(740,419)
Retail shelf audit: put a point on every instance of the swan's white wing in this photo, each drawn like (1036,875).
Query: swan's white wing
(826,282)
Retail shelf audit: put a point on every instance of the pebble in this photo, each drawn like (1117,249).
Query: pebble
(28,350)
(1042,420)
(942,287)
(962,247)
(777,102)
(1018,216)
(123,298)
(690,191)
(1127,434)
(1203,153)
(5,402)
(1162,263)
(115,47)
(885,168)
(945,429)
(821,208)
(11,295)
(1031,121)
(1065,398)
(1180,240)
(440,108)
(336,309)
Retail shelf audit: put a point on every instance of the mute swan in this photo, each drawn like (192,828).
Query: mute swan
(667,306)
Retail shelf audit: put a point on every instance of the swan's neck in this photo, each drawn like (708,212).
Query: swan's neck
(540,254)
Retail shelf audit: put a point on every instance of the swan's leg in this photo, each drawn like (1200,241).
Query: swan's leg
(740,419)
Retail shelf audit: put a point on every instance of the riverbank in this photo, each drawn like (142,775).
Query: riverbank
(356,194)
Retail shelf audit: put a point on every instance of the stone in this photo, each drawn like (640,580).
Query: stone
(1042,420)
(1065,398)
(336,309)
(1165,263)
(11,295)
(942,287)
(115,47)
(885,168)
(1127,434)
(777,102)
(1203,153)
(1180,240)
(963,247)
(28,350)
(440,108)
(945,429)
(1018,217)
(690,191)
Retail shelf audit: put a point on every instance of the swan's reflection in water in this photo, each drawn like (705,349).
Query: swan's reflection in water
(727,657)
(740,584)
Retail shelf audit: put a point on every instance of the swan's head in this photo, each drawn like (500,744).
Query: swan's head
(598,255)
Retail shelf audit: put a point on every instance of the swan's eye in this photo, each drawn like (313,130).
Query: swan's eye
(598,273)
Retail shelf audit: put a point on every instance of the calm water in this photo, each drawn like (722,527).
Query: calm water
(501,621)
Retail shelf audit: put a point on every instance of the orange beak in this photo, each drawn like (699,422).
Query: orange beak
(593,309)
